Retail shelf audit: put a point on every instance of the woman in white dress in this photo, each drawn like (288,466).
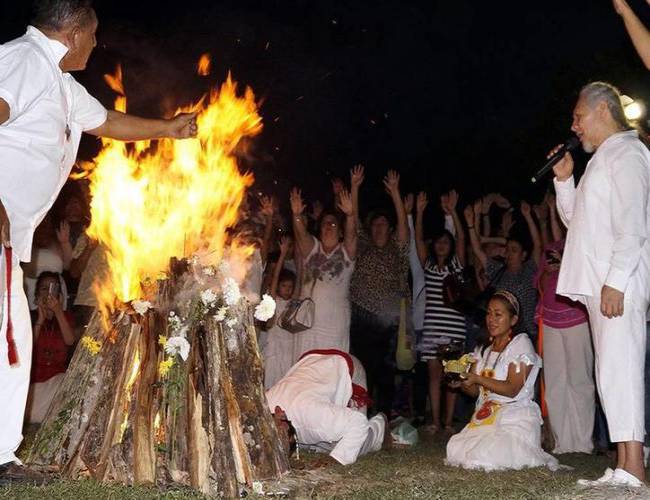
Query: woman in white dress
(327,271)
(505,429)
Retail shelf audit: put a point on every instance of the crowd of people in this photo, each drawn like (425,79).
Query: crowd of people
(369,310)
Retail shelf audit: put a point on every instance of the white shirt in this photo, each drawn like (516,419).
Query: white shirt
(314,394)
(36,153)
(608,216)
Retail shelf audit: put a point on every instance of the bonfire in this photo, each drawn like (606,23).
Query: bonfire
(165,386)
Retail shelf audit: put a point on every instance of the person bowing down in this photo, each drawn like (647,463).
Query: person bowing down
(323,398)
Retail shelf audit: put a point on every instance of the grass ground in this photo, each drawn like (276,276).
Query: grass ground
(416,472)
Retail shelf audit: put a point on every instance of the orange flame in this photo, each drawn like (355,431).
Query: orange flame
(203,68)
(174,199)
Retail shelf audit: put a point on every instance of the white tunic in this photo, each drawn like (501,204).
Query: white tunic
(314,394)
(608,216)
(37,154)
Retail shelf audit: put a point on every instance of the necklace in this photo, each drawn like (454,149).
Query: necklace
(494,365)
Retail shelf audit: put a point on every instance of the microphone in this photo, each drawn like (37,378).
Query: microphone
(569,145)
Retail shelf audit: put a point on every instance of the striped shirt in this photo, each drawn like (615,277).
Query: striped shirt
(440,320)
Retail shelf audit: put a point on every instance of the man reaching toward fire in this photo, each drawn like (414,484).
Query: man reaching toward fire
(43,112)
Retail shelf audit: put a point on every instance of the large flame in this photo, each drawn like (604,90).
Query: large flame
(174,199)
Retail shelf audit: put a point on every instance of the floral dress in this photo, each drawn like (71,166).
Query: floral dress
(326,279)
(504,433)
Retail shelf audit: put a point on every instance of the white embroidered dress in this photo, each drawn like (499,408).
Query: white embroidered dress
(504,433)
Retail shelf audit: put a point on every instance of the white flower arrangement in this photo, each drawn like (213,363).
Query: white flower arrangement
(221,313)
(174,321)
(224,267)
(265,309)
(231,293)
(141,306)
(178,345)
(208,271)
(208,297)
(231,322)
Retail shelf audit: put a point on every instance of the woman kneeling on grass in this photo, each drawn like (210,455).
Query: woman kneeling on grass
(504,432)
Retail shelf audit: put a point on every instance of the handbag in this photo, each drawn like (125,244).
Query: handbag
(299,314)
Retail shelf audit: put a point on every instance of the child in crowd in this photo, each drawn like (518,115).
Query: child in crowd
(278,349)
(53,337)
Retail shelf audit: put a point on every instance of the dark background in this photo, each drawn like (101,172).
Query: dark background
(462,93)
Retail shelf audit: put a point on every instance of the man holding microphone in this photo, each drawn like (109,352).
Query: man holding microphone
(606,263)
(43,112)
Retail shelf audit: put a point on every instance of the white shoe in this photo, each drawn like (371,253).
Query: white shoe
(622,477)
(604,479)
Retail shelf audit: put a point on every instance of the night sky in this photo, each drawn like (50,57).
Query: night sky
(462,93)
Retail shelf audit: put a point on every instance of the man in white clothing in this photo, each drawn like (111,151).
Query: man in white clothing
(324,398)
(606,262)
(43,112)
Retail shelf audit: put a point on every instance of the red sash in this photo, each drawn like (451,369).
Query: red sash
(12,352)
(360,396)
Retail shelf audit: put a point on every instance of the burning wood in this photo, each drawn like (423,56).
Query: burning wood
(166,385)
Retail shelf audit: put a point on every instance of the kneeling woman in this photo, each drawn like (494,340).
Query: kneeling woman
(505,429)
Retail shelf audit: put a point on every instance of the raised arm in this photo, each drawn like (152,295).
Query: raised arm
(636,30)
(533,230)
(350,237)
(420,207)
(63,236)
(124,127)
(556,230)
(356,179)
(391,184)
(541,211)
(449,204)
(303,239)
(473,235)
(285,244)
(268,211)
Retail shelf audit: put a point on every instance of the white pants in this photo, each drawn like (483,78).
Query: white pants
(14,380)
(619,346)
(40,398)
(570,393)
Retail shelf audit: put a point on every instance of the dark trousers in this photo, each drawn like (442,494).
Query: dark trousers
(373,340)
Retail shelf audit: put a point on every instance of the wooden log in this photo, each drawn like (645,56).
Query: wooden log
(205,424)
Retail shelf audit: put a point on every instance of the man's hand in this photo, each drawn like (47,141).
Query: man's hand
(563,169)
(183,126)
(611,302)
(4,227)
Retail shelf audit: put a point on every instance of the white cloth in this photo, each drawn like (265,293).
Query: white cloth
(513,439)
(315,394)
(608,216)
(569,387)
(36,154)
(40,397)
(46,259)
(14,379)
(278,348)
(327,281)
(619,344)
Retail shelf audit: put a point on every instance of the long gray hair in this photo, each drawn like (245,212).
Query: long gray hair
(595,92)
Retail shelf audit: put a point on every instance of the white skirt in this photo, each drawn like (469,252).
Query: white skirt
(512,441)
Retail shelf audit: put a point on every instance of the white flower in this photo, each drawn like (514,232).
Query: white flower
(221,313)
(231,322)
(208,297)
(208,271)
(141,306)
(265,309)
(172,314)
(177,345)
(224,267)
(231,293)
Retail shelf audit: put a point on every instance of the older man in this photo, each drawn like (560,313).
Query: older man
(606,262)
(43,112)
